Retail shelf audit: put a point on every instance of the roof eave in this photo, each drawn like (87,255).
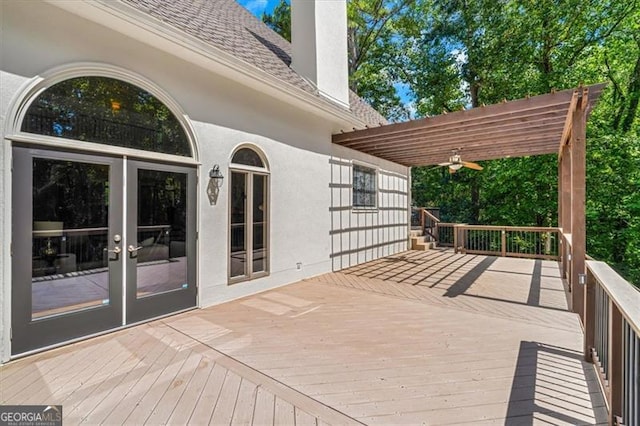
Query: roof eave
(140,26)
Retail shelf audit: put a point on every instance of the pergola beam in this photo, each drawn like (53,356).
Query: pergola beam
(568,120)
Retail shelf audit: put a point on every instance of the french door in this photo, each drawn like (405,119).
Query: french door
(98,242)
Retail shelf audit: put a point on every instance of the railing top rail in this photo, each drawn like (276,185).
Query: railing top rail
(620,291)
(506,228)
(430,216)
(450,224)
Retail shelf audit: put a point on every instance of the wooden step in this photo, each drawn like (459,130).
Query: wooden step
(419,243)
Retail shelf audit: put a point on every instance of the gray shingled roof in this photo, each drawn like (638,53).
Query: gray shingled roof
(227,25)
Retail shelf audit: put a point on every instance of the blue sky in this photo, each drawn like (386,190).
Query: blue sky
(258,7)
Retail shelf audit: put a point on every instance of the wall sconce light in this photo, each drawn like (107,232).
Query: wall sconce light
(216,176)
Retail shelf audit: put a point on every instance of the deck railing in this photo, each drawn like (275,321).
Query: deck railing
(508,241)
(612,339)
(445,232)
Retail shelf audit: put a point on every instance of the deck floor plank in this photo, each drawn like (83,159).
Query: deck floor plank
(194,388)
(223,411)
(208,399)
(284,413)
(245,404)
(264,409)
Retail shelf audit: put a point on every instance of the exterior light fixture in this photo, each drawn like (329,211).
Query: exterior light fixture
(216,176)
(455,166)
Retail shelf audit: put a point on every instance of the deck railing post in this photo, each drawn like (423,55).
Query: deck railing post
(615,362)
(455,238)
(503,243)
(589,316)
(563,256)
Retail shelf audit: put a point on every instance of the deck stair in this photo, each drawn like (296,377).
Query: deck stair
(421,242)
(424,228)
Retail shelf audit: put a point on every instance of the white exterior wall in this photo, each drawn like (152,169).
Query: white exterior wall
(39,37)
(361,235)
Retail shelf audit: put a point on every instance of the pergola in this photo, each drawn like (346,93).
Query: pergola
(545,124)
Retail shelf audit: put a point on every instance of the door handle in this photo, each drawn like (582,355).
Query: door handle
(116,250)
(133,251)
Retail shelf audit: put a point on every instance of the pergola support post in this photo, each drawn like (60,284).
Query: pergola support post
(578,201)
(564,209)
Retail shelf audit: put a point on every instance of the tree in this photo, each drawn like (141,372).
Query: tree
(280,20)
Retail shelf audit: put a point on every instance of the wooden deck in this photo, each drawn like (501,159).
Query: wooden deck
(417,338)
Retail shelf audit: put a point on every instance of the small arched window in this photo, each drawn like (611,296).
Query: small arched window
(107,111)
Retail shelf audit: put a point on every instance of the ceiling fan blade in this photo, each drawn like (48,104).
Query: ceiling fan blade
(471,165)
(451,171)
(448,163)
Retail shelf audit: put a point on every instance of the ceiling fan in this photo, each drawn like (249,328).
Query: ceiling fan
(455,163)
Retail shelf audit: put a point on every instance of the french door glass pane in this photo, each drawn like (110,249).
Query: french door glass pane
(259,223)
(238,224)
(162,232)
(70,236)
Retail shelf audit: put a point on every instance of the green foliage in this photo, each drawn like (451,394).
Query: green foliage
(280,20)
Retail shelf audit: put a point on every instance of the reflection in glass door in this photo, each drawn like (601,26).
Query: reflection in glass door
(70,236)
(161,240)
(238,224)
(259,220)
(249,225)
(161,237)
(66,266)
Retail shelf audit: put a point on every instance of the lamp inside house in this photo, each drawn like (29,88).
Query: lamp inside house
(216,176)
(48,230)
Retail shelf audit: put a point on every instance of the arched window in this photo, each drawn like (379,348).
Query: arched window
(249,216)
(107,111)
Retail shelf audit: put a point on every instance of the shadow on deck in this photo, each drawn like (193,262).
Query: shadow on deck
(416,338)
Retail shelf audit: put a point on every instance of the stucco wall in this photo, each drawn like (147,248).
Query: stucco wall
(361,235)
(224,115)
